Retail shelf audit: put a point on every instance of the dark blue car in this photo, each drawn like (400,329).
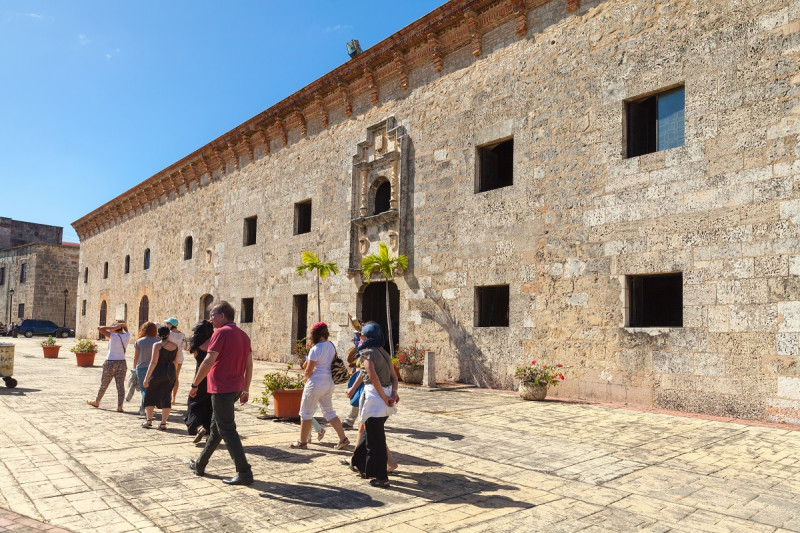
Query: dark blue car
(30,327)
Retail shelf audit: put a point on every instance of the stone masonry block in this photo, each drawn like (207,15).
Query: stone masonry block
(789,388)
(787,344)
(789,316)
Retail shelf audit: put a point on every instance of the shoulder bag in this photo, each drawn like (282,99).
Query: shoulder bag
(338,370)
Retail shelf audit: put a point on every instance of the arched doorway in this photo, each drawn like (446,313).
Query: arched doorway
(373,307)
(144,310)
(205,302)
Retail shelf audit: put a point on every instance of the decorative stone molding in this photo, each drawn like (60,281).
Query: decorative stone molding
(436,52)
(573,5)
(379,159)
(445,30)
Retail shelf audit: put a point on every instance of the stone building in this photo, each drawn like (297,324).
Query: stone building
(612,185)
(37,273)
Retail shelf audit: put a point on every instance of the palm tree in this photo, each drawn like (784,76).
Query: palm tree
(312,263)
(382,263)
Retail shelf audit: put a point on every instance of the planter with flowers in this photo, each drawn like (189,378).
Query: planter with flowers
(411,363)
(50,348)
(84,351)
(534,379)
(286,391)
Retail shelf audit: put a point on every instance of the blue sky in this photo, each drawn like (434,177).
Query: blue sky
(97,96)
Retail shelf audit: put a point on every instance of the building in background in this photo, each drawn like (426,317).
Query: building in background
(38,273)
(612,185)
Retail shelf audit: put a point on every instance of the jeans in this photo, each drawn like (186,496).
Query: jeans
(223,427)
(141,373)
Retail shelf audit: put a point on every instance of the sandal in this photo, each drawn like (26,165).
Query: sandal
(320,434)
(297,444)
(381,483)
(342,444)
(162,426)
(93,404)
(200,434)
(148,424)
(120,410)
(346,463)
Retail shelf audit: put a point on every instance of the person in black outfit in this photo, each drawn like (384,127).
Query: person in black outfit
(198,408)
(160,379)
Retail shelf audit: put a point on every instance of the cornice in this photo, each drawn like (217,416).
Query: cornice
(447,29)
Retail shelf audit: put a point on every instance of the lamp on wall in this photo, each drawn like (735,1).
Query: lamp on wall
(66,291)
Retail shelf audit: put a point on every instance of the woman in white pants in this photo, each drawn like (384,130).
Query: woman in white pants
(319,387)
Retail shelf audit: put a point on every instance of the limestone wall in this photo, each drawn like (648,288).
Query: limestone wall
(16,233)
(723,209)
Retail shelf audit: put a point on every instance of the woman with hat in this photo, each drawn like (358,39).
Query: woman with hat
(115,365)
(319,387)
(379,398)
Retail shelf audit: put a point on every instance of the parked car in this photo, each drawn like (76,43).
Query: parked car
(30,327)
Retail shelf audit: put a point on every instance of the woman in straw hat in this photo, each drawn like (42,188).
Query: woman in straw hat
(115,365)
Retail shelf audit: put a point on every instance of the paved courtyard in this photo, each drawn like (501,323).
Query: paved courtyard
(470,461)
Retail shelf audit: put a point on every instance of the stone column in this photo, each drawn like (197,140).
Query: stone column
(429,375)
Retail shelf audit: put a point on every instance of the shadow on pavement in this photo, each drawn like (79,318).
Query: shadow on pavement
(281,456)
(17,391)
(424,435)
(458,489)
(314,495)
(405,459)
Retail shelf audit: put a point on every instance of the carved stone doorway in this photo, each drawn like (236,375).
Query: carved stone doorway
(373,307)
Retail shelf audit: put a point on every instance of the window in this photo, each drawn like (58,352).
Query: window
(495,166)
(86,275)
(655,301)
(105,270)
(21,311)
(144,310)
(147,259)
(247,310)
(492,306)
(656,122)
(103,313)
(2,275)
(127,264)
(302,217)
(83,308)
(23,272)
(205,306)
(383,197)
(250,231)
(299,318)
(188,243)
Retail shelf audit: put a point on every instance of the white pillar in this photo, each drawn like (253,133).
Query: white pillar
(429,375)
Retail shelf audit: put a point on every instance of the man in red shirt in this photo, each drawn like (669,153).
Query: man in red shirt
(229,368)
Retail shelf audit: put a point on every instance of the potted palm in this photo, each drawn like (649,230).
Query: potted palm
(386,266)
(286,391)
(84,351)
(50,348)
(534,379)
(411,363)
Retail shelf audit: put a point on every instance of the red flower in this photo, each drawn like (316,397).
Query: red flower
(559,365)
(561,376)
(533,363)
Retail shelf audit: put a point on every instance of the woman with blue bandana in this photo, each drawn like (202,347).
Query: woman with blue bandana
(379,397)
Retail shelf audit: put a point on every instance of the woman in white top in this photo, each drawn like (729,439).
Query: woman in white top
(115,365)
(319,387)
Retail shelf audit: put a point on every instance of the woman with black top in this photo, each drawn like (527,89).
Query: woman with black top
(198,408)
(160,379)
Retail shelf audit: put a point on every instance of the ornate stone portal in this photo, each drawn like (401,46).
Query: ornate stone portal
(379,182)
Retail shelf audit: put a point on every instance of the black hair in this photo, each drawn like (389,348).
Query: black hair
(200,334)
(163,332)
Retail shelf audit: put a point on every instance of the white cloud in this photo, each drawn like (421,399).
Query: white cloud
(337,28)
(83,39)
(114,53)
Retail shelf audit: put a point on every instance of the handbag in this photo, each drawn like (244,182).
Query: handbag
(338,370)
(354,401)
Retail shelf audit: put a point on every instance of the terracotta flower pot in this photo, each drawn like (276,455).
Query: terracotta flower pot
(412,373)
(85,358)
(51,352)
(286,402)
(529,391)
(397,371)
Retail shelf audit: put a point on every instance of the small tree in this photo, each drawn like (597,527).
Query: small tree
(312,263)
(381,262)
